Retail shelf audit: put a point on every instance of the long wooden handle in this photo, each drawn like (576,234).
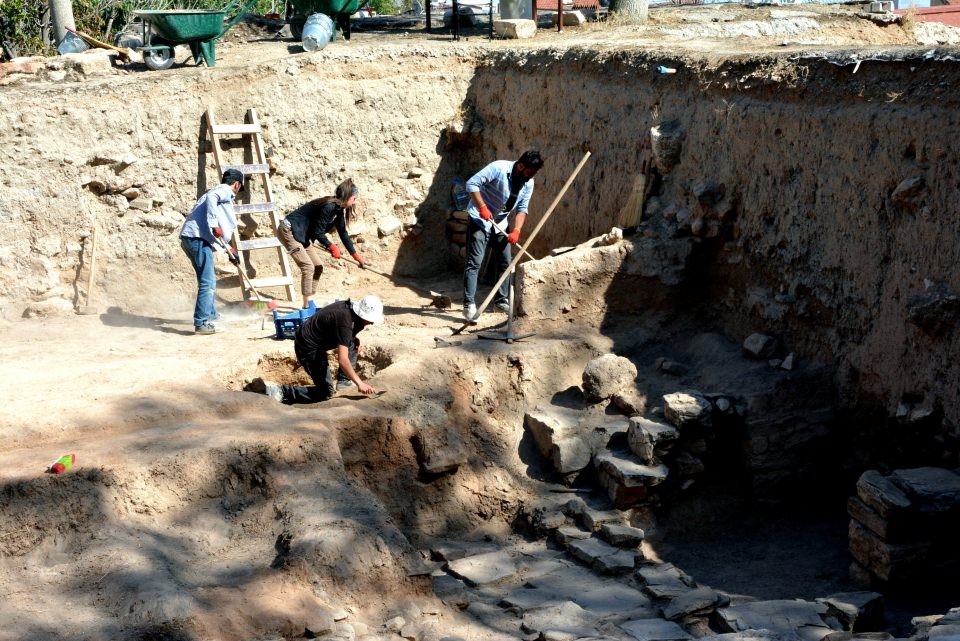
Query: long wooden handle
(93,261)
(533,234)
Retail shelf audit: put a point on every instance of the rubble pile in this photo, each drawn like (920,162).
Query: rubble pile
(773,435)
(903,527)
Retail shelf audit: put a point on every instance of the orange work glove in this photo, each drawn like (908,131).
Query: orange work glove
(485,212)
(217,233)
(359,260)
(335,251)
(513,237)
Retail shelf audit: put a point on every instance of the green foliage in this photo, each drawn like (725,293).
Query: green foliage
(382,7)
(23,23)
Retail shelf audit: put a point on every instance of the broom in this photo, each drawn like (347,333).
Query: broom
(259,304)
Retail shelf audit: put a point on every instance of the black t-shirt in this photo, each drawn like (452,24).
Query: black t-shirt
(329,327)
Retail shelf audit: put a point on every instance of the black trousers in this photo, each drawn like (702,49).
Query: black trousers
(316,365)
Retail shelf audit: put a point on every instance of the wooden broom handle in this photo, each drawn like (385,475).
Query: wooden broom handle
(533,234)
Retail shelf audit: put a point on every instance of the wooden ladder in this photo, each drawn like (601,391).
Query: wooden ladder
(250,130)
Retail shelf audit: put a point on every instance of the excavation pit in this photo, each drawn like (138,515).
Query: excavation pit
(750,224)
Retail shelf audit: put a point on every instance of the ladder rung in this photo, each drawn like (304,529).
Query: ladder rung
(274,281)
(259,243)
(253,208)
(236,129)
(246,170)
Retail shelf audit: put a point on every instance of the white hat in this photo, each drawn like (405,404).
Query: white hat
(369,308)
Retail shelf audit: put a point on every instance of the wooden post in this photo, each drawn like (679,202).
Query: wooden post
(506,273)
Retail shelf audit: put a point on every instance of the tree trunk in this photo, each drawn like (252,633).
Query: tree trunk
(634,11)
(61,13)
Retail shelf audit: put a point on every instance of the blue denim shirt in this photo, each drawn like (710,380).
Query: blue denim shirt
(213,209)
(493,183)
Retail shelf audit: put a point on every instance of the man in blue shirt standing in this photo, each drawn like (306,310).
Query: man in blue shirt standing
(211,220)
(497,190)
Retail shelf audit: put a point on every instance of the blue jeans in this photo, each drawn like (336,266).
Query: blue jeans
(201,257)
(315,364)
(477,241)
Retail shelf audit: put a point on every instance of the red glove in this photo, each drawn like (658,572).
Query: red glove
(485,212)
(359,260)
(513,237)
(217,233)
(335,251)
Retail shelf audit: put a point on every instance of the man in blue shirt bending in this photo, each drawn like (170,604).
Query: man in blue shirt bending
(497,190)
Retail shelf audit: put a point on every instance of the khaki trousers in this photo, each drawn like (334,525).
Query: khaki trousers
(307,259)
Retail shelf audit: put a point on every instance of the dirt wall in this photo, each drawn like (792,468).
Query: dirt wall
(819,202)
(372,117)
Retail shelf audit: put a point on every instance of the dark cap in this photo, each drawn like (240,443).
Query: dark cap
(231,176)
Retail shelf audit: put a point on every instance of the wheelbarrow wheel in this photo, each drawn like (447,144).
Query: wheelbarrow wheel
(159,59)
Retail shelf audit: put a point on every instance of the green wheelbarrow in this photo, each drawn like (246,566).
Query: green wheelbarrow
(199,28)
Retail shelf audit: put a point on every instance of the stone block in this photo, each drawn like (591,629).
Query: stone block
(439,449)
(855,611)
(565,617)
(628,472)
(589,550)
(887,561)
(388,226)
(687,465)
(654,630)
(630,401)
(451,590)
(687,408)
(895,529)
(568,534)
(664,575)
(622,536)
(881,495)
(620,562)
(944,633)
(696,602)
(932,489)
(777,615)
(760,346)
(650,439)
(515,28)
(550,424)
(483,569)
(571,454)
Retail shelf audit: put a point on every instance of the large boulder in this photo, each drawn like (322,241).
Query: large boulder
(607,375)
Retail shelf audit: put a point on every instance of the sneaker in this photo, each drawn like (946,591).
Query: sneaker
(206,328)
(344,383)
(503,306)
(260,386)
(470,312)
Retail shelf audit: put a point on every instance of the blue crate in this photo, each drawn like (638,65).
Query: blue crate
(288,324)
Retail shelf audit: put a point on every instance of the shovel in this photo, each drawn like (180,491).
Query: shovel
(89,309)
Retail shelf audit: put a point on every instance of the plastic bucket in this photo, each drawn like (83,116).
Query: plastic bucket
(318,31)
(72,43)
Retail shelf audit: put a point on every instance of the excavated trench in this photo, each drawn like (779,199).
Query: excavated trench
(785,198)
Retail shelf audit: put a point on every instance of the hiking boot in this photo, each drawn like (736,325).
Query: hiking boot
(206,328)
(470,312)
(260,386)
(503,306)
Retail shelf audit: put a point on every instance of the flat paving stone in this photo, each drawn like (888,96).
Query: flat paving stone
(566,617)
(777,615)
(483,569)
(620,562)
(655,630)
(612,597)
(692,602)
(589,550)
